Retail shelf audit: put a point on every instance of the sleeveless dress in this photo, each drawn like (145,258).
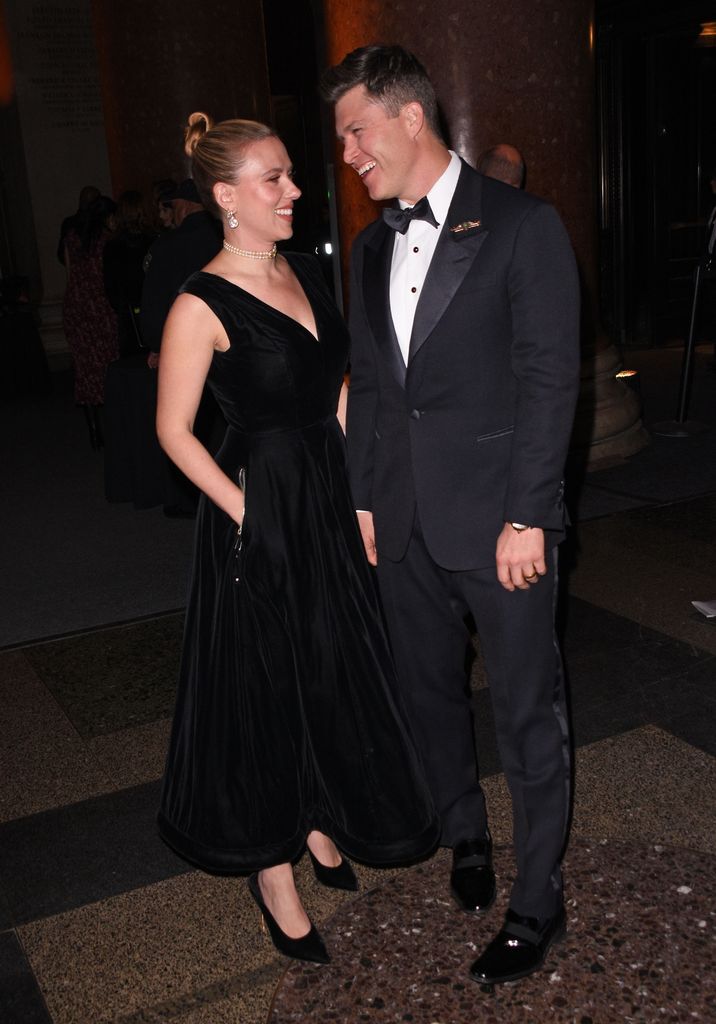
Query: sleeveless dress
(287,715)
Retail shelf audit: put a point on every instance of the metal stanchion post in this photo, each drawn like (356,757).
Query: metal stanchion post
(682,426)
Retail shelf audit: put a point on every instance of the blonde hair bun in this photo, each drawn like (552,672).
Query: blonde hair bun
(197,125)
(218,152)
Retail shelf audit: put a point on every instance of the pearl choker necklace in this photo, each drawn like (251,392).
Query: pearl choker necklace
(270,255)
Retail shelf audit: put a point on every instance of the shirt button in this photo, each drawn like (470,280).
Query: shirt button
(415,414)
(413,290)
(416,248)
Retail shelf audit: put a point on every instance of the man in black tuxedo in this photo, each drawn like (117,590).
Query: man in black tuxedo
(464,376)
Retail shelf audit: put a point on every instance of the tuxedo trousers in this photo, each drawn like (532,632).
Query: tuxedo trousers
(426,607)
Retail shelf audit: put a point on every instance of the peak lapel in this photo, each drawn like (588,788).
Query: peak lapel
(453,257)
(376,291)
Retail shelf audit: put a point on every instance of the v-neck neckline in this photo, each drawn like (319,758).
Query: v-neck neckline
(267,305)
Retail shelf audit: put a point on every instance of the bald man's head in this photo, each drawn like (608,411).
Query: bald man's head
(504,163)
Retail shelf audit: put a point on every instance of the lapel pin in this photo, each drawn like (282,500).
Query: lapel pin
(467,225)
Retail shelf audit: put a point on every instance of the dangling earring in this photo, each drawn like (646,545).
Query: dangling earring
(231,219)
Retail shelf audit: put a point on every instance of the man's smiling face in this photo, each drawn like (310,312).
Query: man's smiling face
(380,148)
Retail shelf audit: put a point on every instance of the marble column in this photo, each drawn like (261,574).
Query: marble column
(159,62)
(521,72)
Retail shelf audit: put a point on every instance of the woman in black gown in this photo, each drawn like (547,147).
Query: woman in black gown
(286,730)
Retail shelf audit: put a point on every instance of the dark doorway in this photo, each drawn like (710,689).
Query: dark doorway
(657,124)
(293,41)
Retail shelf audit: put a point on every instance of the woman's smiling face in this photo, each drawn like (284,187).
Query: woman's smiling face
(263,196)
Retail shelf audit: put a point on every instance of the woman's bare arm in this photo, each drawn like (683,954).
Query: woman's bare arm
(191,335)
(343,404)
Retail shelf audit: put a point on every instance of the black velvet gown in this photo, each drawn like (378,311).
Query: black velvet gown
(287,716)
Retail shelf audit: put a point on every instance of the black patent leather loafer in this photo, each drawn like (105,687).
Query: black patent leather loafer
(519,949)
(472,880)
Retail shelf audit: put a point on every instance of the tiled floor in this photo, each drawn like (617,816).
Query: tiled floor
(103,923)
(100,922)
(628,940)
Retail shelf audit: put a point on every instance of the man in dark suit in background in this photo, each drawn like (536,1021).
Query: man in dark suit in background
(173,257)
(464,377)
(503,163)
(171,260)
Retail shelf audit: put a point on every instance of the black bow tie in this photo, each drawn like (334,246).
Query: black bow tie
(399,220)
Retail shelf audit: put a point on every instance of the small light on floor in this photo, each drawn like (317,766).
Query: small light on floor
(632,380)
(327,248)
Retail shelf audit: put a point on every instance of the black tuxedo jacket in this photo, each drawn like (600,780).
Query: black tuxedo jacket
(474,433)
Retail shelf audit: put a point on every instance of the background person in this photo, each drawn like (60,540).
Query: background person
(192,242)
(88,320)
(88,194)
(123,267)
(503,163)
(172,258)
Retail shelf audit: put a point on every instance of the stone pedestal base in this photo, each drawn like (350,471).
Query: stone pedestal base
(608,420)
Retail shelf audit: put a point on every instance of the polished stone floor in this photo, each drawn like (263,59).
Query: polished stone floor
(100,922)
(635,950)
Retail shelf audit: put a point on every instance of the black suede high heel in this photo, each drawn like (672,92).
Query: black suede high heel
(339,877)
(309,947)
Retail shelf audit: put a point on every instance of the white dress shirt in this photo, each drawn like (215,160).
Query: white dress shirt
(413,251)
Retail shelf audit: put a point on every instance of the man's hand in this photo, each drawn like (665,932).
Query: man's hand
(520,557)
(365,521)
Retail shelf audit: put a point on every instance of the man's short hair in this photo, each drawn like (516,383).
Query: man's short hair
(494,164)
(391,75)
